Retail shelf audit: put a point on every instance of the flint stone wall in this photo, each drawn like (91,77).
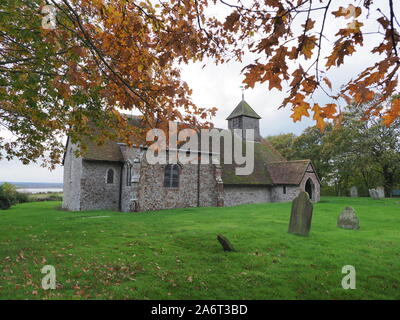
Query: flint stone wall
(96,193)
(72,180)
(154,196)
(236,195)
(277,194)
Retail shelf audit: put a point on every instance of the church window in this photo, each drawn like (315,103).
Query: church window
(110,176)
(171,176)
(237,122)
(128,174)
(284,189)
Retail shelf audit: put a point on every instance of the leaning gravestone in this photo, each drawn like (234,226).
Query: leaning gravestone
(226,245)
(300,218)
(348,219)
(381,192)
(374,194)
(353,192)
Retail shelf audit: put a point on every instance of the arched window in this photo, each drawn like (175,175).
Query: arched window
(110,176)
(171,176)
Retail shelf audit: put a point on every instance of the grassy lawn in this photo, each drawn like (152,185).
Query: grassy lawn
(174,254)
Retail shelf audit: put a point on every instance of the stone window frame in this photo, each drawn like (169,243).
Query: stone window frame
(170,184)
(113,176)
(128,166)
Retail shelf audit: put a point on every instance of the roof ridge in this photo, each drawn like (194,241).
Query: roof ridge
(243,109)
(302,160)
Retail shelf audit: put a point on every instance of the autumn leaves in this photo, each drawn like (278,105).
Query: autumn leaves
(274,24)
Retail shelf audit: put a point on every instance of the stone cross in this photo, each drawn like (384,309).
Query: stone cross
(300,218)
(353,192)
(348,219)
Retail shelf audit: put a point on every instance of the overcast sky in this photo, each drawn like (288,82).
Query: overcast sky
(219,86)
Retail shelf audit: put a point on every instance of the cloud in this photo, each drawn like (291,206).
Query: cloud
(15,171)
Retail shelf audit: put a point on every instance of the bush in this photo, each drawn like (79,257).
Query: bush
(22,197)
(5,202)
(10,192)
(9,196)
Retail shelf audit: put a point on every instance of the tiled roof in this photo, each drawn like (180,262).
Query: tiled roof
(288,172)
(243,109)
(109,150)
(263,154)
(269,166)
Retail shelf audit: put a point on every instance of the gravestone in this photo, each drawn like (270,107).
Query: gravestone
(353,192)
(348,219)
(381,192)
(300,218)
(225,243)
(374,194)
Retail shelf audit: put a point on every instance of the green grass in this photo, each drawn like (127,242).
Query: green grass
(174,254)
(45,196)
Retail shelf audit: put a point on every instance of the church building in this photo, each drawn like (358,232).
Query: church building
(115,176)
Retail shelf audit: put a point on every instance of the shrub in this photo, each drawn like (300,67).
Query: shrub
(22,197)
(10,192)
(9,196)
(5,202)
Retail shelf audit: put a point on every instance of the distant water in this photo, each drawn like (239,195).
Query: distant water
(39,190)
(37,187)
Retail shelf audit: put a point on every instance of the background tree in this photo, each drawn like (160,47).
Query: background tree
(358,152)
(284,143)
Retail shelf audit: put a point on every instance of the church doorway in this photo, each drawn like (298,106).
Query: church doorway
(310,188)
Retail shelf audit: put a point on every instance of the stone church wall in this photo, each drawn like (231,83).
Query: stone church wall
(96,193)
(72,180)
(278,195)
(236,195)
(154,196)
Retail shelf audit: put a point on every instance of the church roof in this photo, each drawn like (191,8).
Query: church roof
(289,172)
(264,153)
(243,109)
(270,168)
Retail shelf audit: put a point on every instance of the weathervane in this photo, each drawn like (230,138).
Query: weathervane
(242,87)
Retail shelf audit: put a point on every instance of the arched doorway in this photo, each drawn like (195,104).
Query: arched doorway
(310,188)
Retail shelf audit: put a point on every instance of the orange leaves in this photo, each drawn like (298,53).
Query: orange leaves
(360,93)
(320,114)
(309,85)
(329,110)
(393,113)
(328,82)
(231,21)
(340,50)
(300,107)
(260,73)
(318,117)
(307,44)
(309,25)
(350,12)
